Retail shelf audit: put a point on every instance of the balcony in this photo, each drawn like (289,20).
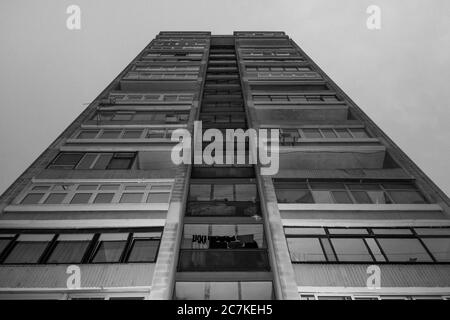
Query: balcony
(223,260)
(222,208)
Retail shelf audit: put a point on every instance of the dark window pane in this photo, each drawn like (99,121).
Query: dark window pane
(87,134)
(294,196)
(341,197)
(3,244)
(109,251)
(131,198)
(326,186)
(55,198)
(305,249)
(406,197)
(361,197)
(110,134)
(121,161)
(144,250)
(26,252)
(351,250)
(81,198)
(68,252)
(102,161)
(200,192)
(104,198)
(132,134)
(122,116)
(32,198)
(404,250)
(158,197)
(223,192)
(439,248)
(67,159)
(245,192)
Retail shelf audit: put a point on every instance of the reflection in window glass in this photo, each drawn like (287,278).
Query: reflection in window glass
(305,249)
(158,197)
(131,198)
(199,192)
(29,248)
(404,250)
(439,248)
(80,198)
(143,250)
(406,196)
(32,198)
(223,192)
(361,197)
(294,196)
(68,252)
(110,250)
(341,197)
(104,198)
(55,198)
(351,250)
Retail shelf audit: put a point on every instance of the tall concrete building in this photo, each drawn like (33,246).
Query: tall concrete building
(104,212)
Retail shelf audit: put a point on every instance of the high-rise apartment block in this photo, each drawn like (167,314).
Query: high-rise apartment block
(104,212)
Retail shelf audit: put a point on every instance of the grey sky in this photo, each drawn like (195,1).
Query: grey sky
(398,75)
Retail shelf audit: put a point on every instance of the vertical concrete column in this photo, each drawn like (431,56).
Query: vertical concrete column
(164,275)
(283,272)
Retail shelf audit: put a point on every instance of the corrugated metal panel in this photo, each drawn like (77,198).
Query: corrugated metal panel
(100,275)
(347,275)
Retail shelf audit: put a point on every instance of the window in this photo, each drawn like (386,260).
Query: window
(110,247)
(404,250)
(5,240)
(97,161)
(351,249)
(223,192)
(70,248)
(28,248)
(243,290)
(89,193)
(144,247)
(361,193)
(305,249)
(384,245)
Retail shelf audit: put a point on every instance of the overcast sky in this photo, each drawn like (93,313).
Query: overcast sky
(398,75)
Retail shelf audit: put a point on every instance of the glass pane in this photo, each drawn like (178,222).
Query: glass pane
(81,198)
(391,231)
(55,198)
(245,192)
(199,192)
(3,244)
(361,197)
(144,250)
(26,252)
(158,197)
(375,249)
(190,291)
(85,187)
(433,231)
(102,161)
(359,133)
(131,198)
(87,161)
(347,231)
(439,248)
(328,133)
(122,116)
(343,133)
(294,196)
(87,134)
(32,198)
(312,133)
(341,197)
(104,198)
(118,164)
(351,250)
(132,134)
(322,196)
(109,187)
(155,134)
(109,251)
(223,192)
(68,252)
(305,249)
(406,197)
(68,159)
(326,244)
(379,197)
(110,134)
(404,250)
